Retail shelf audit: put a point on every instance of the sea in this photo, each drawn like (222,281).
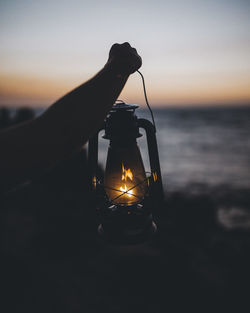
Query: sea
(206,147)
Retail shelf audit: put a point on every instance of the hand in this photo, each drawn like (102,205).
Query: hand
(123,59)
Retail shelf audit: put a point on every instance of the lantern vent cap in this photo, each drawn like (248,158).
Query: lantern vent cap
(124,107)
(121,124)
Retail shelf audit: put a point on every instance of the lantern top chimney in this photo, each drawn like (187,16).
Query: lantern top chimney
(121,124)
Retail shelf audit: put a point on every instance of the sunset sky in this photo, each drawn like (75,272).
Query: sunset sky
(194,52)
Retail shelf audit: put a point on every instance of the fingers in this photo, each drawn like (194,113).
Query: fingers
(124,58)
(117,45)
(126,45)
(122,49)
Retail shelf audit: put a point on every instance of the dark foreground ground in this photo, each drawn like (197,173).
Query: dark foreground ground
(52,260)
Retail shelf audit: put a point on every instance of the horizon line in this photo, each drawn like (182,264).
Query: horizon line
(154,106)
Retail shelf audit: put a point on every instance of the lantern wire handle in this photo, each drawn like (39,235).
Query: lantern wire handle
(146,99)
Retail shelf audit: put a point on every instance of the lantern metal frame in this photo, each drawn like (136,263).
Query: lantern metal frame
(126,223)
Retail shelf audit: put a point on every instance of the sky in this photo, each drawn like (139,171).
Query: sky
(195,53)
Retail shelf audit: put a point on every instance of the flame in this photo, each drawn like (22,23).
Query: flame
(126,173)
(128,192)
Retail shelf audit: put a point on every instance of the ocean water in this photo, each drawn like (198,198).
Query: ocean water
(206,147)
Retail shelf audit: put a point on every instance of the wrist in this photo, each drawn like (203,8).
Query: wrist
(114,71)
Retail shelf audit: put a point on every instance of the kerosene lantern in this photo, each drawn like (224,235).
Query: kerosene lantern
(127,195)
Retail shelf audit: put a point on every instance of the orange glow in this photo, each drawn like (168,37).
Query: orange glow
(32,90)
(185,90)
(35,91)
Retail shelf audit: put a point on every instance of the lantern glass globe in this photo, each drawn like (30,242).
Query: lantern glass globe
(125,178)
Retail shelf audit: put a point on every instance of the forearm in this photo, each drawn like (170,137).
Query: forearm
(61,130)
(81,112)
(68,124)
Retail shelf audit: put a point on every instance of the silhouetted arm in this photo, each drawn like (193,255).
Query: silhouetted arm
(68,124)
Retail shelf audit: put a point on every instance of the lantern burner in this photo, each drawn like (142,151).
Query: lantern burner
(126,224)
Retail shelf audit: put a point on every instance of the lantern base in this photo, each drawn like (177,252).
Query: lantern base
(129,238)
(127,226)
